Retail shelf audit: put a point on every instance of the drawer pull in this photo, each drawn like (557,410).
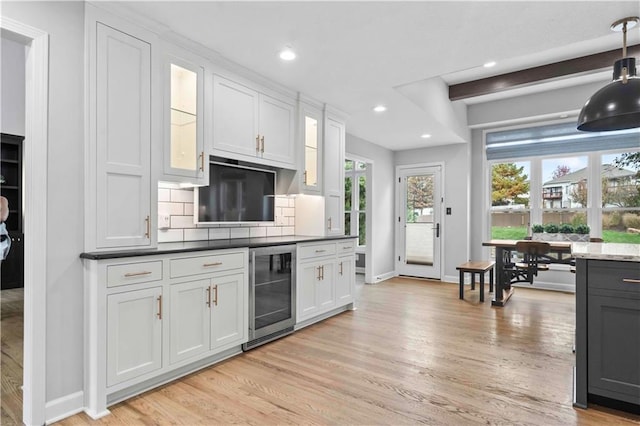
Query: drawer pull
(320,251)
(346,247)
(208,302)
(159,314)
(630,280)
(208,265)
(215,300)
(136,274)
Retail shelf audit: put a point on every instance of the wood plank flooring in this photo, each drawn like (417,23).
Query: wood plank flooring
(412,353)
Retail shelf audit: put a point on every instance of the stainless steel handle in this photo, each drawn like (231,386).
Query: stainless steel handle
(329,225)
(148,226)
(305,177)
(262,142)
(208,265)
(318,277)
(320,251)
(341,269)
(159,314)
(346,247)
(208,297)
(322,276)
(215,299)
(136,274)
(631,280)
(438,230)
(258,143)
(202,161)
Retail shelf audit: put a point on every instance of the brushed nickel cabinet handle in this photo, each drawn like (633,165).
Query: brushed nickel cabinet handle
(215,299)
(346,247)
(320,251)
(318,277)
(305,177)
(262,142)
(159,314)
(136,274)
(258,143)
(322,269)
(208,265)
(208,303)
(148,226)
(329,226)
(202,161)
(341,273)
(631,280)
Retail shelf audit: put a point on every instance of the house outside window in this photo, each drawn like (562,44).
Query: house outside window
(355,199)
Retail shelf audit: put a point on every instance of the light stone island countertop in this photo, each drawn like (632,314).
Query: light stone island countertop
(607,251)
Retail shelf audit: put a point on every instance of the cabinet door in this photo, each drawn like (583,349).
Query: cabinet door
(276,130)
(311,143)
(235,118)
(134,334)
(183,118)
(345,280)
(308,275)
(123,139)
(189,319)
(228,310)
(334,134)
(325,287)
(614,347)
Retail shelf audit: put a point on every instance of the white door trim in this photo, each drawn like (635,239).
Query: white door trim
(35,218)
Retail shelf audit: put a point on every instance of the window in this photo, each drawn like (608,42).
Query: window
(549,175)
(355,202)
(510,215)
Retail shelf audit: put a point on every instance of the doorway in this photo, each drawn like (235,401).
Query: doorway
(419,231)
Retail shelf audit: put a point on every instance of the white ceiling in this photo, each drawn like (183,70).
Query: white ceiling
(354,55)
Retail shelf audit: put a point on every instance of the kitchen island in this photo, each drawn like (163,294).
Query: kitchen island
(607,368)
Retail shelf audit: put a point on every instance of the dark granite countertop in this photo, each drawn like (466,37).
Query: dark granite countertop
(187,246)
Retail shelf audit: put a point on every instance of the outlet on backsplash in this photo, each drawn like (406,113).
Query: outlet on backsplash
(177,204)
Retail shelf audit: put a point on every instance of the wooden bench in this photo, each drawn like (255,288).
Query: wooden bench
(476,267)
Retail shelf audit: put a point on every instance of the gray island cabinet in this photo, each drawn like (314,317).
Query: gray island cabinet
(607,325)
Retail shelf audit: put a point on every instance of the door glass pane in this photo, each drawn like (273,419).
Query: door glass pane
(362,229)
(311,151)
(348,192)
(419,239)
(347,223)
(184,95)
(362,192)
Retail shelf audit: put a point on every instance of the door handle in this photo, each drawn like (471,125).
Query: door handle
(437,230)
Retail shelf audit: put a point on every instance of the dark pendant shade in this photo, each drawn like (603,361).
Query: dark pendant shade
(617,105)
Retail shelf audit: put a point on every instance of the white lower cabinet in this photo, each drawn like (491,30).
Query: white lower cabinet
(154,318)
(134,334)
(326,278)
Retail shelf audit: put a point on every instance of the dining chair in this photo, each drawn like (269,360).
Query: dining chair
(531,263)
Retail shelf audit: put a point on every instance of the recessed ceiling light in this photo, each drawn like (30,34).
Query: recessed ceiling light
(287,54)
(379,108)
(489,64)
(425,136)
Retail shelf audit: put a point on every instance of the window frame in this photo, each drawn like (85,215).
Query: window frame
(354,212)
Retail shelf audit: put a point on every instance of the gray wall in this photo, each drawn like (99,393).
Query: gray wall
(64,22)
(457,163)
(383,232)
(12,87)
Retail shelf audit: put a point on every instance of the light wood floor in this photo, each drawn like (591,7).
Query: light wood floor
(412,353)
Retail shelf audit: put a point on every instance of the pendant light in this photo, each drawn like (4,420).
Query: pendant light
(617,105)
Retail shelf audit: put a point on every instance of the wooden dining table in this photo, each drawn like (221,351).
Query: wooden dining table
(560,252)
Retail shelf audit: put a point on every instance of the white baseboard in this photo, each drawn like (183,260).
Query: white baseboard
(64,407)
(455,279)
(382,277)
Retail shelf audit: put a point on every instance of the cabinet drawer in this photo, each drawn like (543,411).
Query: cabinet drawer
(346,247)
(316,250)
(205,264)
(614,275)
(134,273)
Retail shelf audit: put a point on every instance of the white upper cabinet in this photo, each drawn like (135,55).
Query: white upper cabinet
(334,146)
(119,186)
(185,159)
(311,141)
(252,126)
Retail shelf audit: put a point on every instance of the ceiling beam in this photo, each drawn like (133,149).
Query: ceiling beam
(525,77)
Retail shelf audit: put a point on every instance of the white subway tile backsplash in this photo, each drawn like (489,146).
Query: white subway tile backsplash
(288,211)
(240,232)
(182,222)
(282,202)
(196,234)
(257,232)
(182,195)
(170,235)
(174,209)
(164,194)
(282,221)
(288,230)
(188,208)
(292,221)
(274,231)
(219,233)
(292,202)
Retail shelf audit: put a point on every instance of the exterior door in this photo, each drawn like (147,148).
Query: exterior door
(420,228)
